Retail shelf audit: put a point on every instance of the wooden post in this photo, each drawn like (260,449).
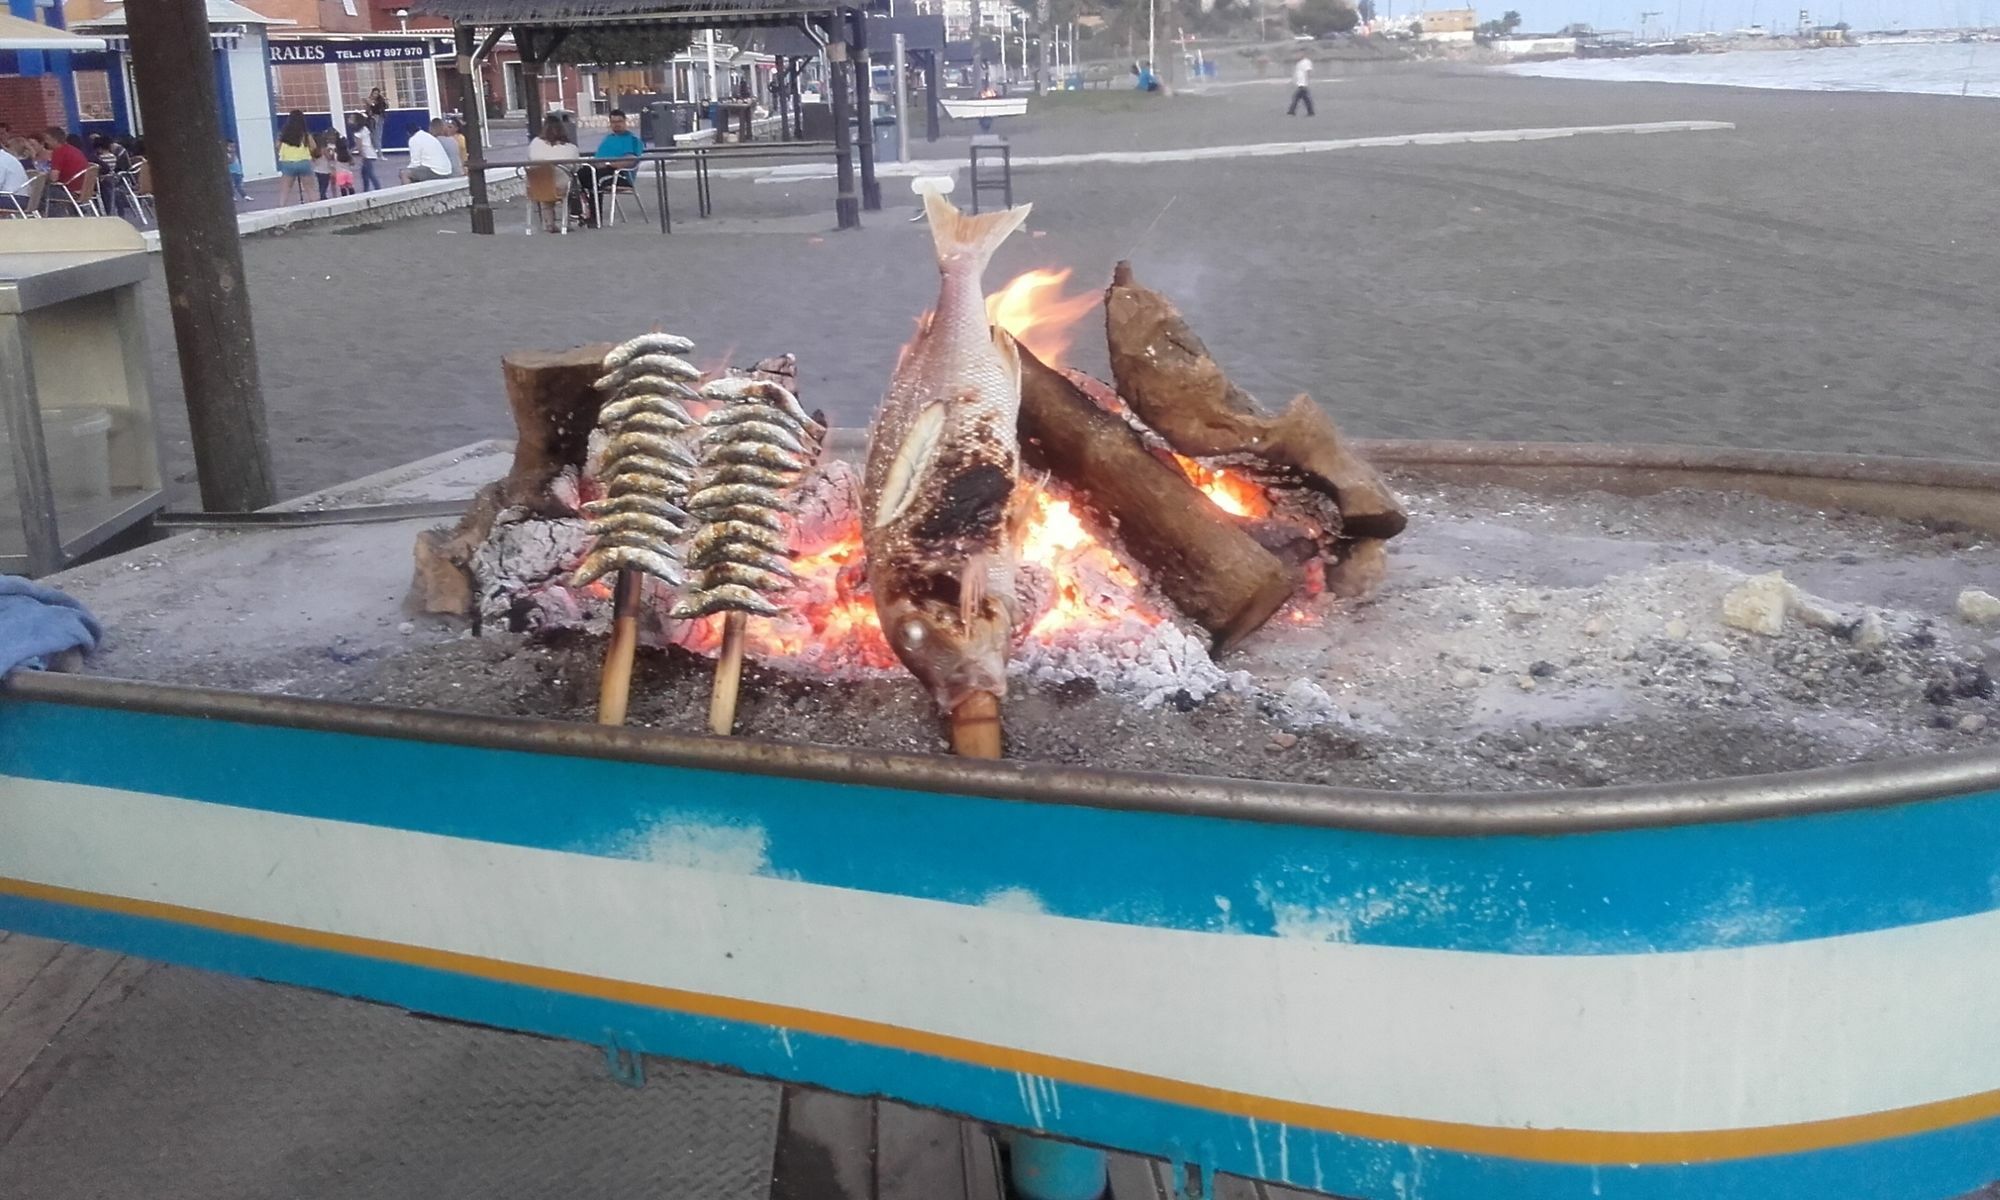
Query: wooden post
(475,129)
(200,251)
(531,79)
(846,207)
(871,191)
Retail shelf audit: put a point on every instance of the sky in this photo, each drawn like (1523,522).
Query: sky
(1686,16)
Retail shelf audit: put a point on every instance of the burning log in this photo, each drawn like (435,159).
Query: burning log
(1211,569)
(1176,388)
(554,407)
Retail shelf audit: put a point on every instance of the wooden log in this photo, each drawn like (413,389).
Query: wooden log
(555,408)
(173,65)
(1165,373)
(1199,558)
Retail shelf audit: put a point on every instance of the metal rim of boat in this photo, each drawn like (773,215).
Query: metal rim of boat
(1889,486)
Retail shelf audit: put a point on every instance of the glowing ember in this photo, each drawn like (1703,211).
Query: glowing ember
(1032,307)
(1231,492)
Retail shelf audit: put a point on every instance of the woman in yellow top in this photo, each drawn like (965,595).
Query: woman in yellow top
(295,156)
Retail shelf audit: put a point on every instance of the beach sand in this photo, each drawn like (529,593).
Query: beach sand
(1820,278)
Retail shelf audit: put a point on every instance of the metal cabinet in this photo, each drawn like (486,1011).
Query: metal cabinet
(81,459)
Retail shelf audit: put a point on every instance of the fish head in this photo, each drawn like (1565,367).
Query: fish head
(955,644)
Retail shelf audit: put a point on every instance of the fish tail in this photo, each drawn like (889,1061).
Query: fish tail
(1010,357)
(962,238)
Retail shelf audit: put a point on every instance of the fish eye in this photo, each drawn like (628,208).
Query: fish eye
(911,633)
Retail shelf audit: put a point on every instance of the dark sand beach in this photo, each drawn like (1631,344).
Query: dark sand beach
(1819,278)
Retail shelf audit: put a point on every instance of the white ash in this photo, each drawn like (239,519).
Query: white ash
(520,571)
(1149,662)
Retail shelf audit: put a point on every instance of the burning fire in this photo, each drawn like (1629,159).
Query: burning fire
(1232,493)
(1086,585)
(1032,307)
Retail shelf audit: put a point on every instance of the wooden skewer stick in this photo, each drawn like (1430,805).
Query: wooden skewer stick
(728,676)
(614,688)
(975,726)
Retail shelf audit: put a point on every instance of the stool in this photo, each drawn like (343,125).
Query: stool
(990,146)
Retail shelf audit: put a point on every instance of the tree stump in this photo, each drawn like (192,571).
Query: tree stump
(555,408)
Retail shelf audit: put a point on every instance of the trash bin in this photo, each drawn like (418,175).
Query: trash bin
(817,118)
(658,123)
(69,292)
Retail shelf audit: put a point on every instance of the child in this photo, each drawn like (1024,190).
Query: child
(236,172)
(343,166)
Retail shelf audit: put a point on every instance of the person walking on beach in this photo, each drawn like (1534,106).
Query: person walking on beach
(1301,90)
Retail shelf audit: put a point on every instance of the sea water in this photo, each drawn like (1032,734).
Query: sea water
(1950,69)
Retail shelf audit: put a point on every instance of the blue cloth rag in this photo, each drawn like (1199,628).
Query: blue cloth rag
(39,622)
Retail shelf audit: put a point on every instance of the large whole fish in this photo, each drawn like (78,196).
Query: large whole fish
(940,500)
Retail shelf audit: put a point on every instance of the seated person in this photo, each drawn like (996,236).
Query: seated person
(66,161)
(428,159)
(13,175)
(618,153)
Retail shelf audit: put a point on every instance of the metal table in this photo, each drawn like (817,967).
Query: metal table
(660,156)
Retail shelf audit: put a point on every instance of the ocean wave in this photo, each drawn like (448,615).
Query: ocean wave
(1941,69)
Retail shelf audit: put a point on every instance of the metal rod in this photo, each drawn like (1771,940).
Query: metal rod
(902,102)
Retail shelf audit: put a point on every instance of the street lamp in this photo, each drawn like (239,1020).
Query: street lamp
(403,19)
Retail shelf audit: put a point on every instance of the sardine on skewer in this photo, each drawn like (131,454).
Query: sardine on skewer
(730,495)
(645,466)
(664,365)
(728,597)
(765,392)
(604,560)
(729,416)
(720,535)
(755,444)
(635,502)
(660,404)
(648,442)
(750,474)
(770,433)
(647,343)
(756,454)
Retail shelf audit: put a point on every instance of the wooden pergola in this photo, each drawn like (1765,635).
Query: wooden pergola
(539,28)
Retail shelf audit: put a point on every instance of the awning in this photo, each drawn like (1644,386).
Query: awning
(17,33)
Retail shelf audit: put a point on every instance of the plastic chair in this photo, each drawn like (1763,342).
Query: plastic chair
(543,188)
(28,201)
(80,192)
(138,187)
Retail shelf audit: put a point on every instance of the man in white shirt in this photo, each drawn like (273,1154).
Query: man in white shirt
(428,159)
(13,176)
(1301,75)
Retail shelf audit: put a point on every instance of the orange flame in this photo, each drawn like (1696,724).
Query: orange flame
(1031,306)
(1232,493)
